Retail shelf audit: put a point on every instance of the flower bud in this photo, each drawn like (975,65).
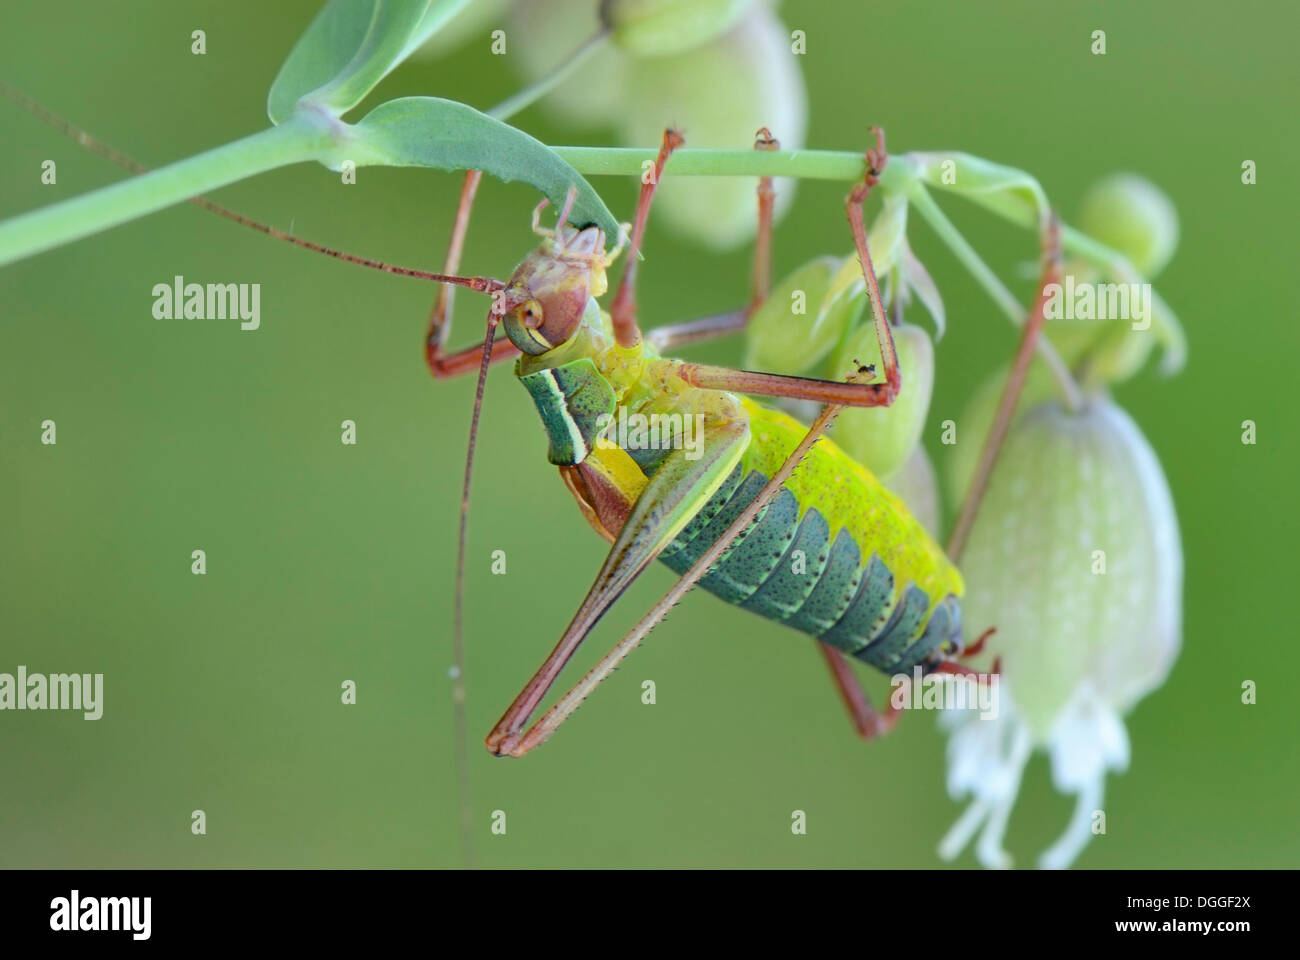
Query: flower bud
(787,334)
(882,438)
(663,28)
(1132,215)
(1103,352)
(718,95)
(549,31)
(1075,558)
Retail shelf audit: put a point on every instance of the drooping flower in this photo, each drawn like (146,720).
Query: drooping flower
(1076,560)
(661,55)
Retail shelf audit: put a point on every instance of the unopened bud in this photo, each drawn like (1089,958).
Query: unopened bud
(662,28)
(1132,215)
(1075,558)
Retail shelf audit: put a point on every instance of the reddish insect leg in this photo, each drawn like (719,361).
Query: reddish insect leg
(710,328)
(513,741)
(761,278)
(807,388)
(623,310)
(444,364)
(1010,392)
(869,723)
(440,313)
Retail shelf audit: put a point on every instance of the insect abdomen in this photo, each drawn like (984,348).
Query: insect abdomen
(808,565)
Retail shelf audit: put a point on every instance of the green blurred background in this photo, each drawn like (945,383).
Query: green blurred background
(328,563)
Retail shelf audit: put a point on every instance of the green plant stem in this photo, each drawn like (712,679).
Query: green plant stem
(531,94)
(297,140)
(986,278)
(804,164)
(1164,325)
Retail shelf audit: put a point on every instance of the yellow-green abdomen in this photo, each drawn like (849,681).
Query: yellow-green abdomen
(834,555)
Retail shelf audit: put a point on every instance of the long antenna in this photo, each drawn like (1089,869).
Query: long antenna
(18,98)
(458,627)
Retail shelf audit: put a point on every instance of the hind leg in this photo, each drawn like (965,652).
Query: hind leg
(869,722)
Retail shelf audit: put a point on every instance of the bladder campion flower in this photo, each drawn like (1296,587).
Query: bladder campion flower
(1076,559)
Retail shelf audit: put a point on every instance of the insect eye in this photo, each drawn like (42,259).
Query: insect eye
(532,314)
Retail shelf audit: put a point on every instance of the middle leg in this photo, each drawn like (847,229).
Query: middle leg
(852,394)
(709,328)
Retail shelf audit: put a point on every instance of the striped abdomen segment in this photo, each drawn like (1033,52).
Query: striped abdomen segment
(788,568)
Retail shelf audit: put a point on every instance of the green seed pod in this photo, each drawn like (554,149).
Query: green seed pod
(786,334)
(1075,558)
(973,424)
(1134,216)
(663,28)
(882,438)
(752,80)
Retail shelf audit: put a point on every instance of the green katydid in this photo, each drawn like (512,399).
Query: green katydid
(874,586)
(877,587)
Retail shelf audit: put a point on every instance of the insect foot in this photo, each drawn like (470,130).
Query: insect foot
(883,438)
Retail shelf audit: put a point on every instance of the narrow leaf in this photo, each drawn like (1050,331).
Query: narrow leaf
(1009,192)
(445,135)
(919,281)
(439,14)
(350,47)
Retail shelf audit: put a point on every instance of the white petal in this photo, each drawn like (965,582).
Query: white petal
(959,834)
(1087,739)
(1079,831)
(989,850)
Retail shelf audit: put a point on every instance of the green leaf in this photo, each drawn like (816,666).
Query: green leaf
(350,47)
(919,281)
(439,14)
(1008,192)
(432,132)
